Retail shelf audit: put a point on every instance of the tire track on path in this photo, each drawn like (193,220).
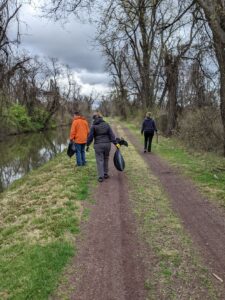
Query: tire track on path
(108,265)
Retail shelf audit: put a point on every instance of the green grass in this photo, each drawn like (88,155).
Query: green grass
(207,170)
(176,270)
(40,218)
(31,271)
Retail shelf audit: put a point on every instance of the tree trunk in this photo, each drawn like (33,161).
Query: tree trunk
(220,53)
(145,53)
(145,94)
(171,65)
(123,102)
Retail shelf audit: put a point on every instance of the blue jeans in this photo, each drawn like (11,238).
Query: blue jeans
(80,154)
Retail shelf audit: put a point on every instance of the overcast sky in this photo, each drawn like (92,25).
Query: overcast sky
(72,44)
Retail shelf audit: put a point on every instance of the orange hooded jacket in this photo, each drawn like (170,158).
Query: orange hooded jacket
(79,130)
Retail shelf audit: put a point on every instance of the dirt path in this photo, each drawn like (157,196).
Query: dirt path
(204,222)
(108,261)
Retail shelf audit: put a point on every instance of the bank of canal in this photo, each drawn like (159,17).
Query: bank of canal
(23,153)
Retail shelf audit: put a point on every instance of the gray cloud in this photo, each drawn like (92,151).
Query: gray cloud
(93,78)
(71,44)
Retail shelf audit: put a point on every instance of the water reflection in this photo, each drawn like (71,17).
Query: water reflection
(21,154)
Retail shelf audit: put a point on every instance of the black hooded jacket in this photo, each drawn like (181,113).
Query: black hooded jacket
(148,126)
(101,132)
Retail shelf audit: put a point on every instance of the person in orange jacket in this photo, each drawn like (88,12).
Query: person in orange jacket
(78,134)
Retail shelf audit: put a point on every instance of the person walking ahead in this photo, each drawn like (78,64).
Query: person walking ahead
(103,136)
(78,134)
(148,128)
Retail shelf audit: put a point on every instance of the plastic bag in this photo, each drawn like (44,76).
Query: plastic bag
(118,160)
(71,150)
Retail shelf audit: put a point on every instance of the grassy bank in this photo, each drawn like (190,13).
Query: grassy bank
(207,170)
(175,268)
(39,220)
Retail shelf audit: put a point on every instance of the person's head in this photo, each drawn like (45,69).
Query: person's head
(148,114)
(76,113)
(96,115)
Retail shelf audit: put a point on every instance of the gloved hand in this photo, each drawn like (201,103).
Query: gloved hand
(87,148)
(118,146)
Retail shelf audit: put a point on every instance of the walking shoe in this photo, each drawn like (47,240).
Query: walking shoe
(145,151)
(106,176)
(100,179)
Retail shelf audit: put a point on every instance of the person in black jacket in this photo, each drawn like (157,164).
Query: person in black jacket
(148,129)
(103,136)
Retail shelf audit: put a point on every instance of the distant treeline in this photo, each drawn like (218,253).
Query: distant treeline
(163,56)
(35,93)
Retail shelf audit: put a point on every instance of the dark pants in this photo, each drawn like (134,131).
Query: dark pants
(148,140)
(80,154)
(102,157)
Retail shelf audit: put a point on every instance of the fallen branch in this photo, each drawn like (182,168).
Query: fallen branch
(217,277)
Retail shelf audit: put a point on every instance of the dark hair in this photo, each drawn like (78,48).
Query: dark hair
(96,115)
(76,113)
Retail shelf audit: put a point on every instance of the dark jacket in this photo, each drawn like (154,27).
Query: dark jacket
(148,126)
(101,132)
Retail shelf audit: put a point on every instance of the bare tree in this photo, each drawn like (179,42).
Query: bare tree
(61,9)
(131,26)
(8,12)
(53,92)
(214,12)
(115,66)
(172,64)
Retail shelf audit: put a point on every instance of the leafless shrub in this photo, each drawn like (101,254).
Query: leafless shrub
(202,129)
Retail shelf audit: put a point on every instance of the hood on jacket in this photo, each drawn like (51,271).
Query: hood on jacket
(98,120)
(79,117)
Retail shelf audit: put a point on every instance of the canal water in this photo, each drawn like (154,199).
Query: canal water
(23,153)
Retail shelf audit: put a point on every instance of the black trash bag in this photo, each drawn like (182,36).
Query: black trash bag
(71,150)
(118,160)
(122,142)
